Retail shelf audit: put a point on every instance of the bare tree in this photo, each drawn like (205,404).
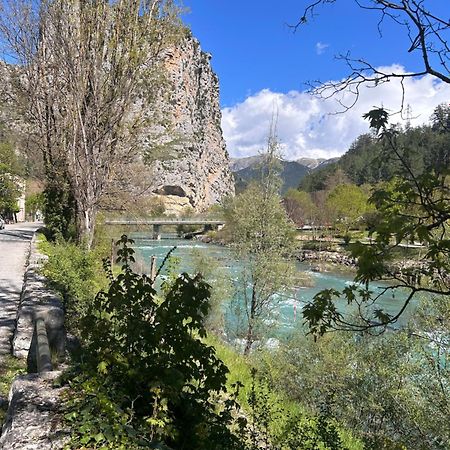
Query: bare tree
(428,34)
(85,70)
(415,207)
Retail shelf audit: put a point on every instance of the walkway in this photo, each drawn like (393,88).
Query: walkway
(14,246)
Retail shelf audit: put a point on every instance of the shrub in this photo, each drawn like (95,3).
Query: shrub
(318,246)
(154,379)
(76,274)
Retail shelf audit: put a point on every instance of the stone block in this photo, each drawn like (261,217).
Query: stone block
(34,418)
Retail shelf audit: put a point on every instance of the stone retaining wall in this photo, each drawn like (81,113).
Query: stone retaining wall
(38,302)
(35,411)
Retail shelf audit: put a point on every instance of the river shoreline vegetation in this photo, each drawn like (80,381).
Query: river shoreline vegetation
(358,388)
(152,364)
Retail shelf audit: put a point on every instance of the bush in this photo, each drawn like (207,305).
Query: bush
(386,390)
(318,246)
(76,274)
(155,381)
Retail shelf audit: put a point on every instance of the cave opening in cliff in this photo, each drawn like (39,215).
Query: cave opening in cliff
(171,190)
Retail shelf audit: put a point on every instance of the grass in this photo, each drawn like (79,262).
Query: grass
(240,368)
(9,368)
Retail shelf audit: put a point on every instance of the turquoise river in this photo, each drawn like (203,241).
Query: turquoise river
(288,307)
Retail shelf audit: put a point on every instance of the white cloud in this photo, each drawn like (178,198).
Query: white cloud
(321,47)
(307,126)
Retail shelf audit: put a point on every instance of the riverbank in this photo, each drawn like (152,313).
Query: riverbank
(322,259)
(319,260)
(338,259)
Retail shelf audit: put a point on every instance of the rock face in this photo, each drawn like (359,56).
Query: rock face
(199,173)
(193,168)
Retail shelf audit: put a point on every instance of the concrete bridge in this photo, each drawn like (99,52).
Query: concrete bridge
(158,223)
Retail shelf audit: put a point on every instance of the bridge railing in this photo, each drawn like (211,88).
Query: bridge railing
(165,220)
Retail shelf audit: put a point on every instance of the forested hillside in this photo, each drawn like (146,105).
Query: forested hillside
(422,148)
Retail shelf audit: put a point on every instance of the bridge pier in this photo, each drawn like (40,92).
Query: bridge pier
(212,227)
(157,232)
(207,227)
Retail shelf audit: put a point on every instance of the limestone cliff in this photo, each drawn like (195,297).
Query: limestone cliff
(199,172)
(192,170)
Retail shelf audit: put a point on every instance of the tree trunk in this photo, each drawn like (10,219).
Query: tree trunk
(86,225)
(249,339)
(250,332)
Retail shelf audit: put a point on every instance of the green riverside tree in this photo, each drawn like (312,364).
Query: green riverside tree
(347,204)
(262,236)
(300,207)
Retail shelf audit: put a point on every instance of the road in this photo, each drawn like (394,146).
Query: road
(14,245)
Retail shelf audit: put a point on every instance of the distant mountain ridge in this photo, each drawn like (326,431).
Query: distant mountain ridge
(247,169)
(315,163)
(237,164)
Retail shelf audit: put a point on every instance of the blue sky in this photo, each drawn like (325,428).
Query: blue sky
(262,64)
(253,48)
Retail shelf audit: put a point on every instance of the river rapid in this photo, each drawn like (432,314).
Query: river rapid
(286,316)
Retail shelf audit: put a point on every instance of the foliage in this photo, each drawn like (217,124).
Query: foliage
(9,368)
(348,204)
(412,208)
(9,160)
(319,246)
(300,207)
(34,203)
(221,289)
(156,381)
(262,238)
(298,431)
(390,390)
(274,415)
(59,208)
(76,274)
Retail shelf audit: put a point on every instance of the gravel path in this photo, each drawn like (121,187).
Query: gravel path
(14,246)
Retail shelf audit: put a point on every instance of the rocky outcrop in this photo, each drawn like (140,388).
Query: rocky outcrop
(199,170)
(315,256)
(182,152)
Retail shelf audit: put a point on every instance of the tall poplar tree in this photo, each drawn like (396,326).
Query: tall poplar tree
(85,69)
